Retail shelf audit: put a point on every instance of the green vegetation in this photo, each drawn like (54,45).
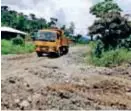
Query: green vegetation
(104,7)
(20,21)
(109,58)
(113,32)
(112,29)
(18,41)
(8,48)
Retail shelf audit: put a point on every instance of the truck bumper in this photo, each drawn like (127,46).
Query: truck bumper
(44,50)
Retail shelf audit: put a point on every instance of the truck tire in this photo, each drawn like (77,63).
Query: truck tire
(39,54)
(59,53)
(65,50)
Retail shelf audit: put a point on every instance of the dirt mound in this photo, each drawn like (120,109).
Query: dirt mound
(102,95)
(120,71)
(21,96)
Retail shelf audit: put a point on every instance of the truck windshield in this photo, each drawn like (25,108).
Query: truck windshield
(46,36)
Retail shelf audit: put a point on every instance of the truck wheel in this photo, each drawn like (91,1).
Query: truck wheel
(59,53)
(39,54)
(66,50)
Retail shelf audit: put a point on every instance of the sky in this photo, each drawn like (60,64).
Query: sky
(66,11)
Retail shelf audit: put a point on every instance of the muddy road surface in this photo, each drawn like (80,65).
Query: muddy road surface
(65,83)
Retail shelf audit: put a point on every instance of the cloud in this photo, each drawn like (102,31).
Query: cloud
(125,5)
(65,10)
(61,15)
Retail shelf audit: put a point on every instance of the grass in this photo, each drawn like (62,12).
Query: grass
(108,58)
(113,57)
(8,48)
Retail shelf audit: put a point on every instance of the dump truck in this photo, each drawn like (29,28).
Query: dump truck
(51,41)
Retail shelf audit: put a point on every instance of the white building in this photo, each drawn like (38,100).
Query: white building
(8,32)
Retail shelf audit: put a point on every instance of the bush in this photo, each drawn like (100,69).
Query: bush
(18,41)
(110,58)
(100,47)
(28,38)
(8,48)
(126,43)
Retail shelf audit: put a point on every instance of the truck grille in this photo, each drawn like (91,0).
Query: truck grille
(45,47)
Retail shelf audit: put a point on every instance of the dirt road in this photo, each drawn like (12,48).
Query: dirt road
(29,82)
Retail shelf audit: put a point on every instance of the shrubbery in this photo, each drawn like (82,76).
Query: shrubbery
(126,43)
(110,58)
(18,41)
(107,58)
(8,48)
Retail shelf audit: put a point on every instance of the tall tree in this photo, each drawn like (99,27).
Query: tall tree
(66,31)
(71,28)
(78,37)
(41,23)
(21,22)
(111,28)
(32,16)
(53,22)
(63,27)
(4,8)
(104,7)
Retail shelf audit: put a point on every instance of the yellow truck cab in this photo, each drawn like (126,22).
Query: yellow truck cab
(51,41)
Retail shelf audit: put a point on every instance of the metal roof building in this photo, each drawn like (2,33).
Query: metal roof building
(9,33)
(12,30)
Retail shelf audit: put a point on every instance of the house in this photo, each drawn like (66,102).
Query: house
(8,33)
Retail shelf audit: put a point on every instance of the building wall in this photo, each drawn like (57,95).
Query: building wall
(10,35)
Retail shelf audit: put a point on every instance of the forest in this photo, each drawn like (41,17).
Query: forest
(30,23)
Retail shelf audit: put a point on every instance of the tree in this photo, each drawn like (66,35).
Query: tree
(13,18)
(41,23)
(112,28)
(78,37)
(4,8)
(53,19)
(52,22)
(63,27)
(66,30)
(102,8)
(6,16)
(20,21)
(71,28)
(32,16)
